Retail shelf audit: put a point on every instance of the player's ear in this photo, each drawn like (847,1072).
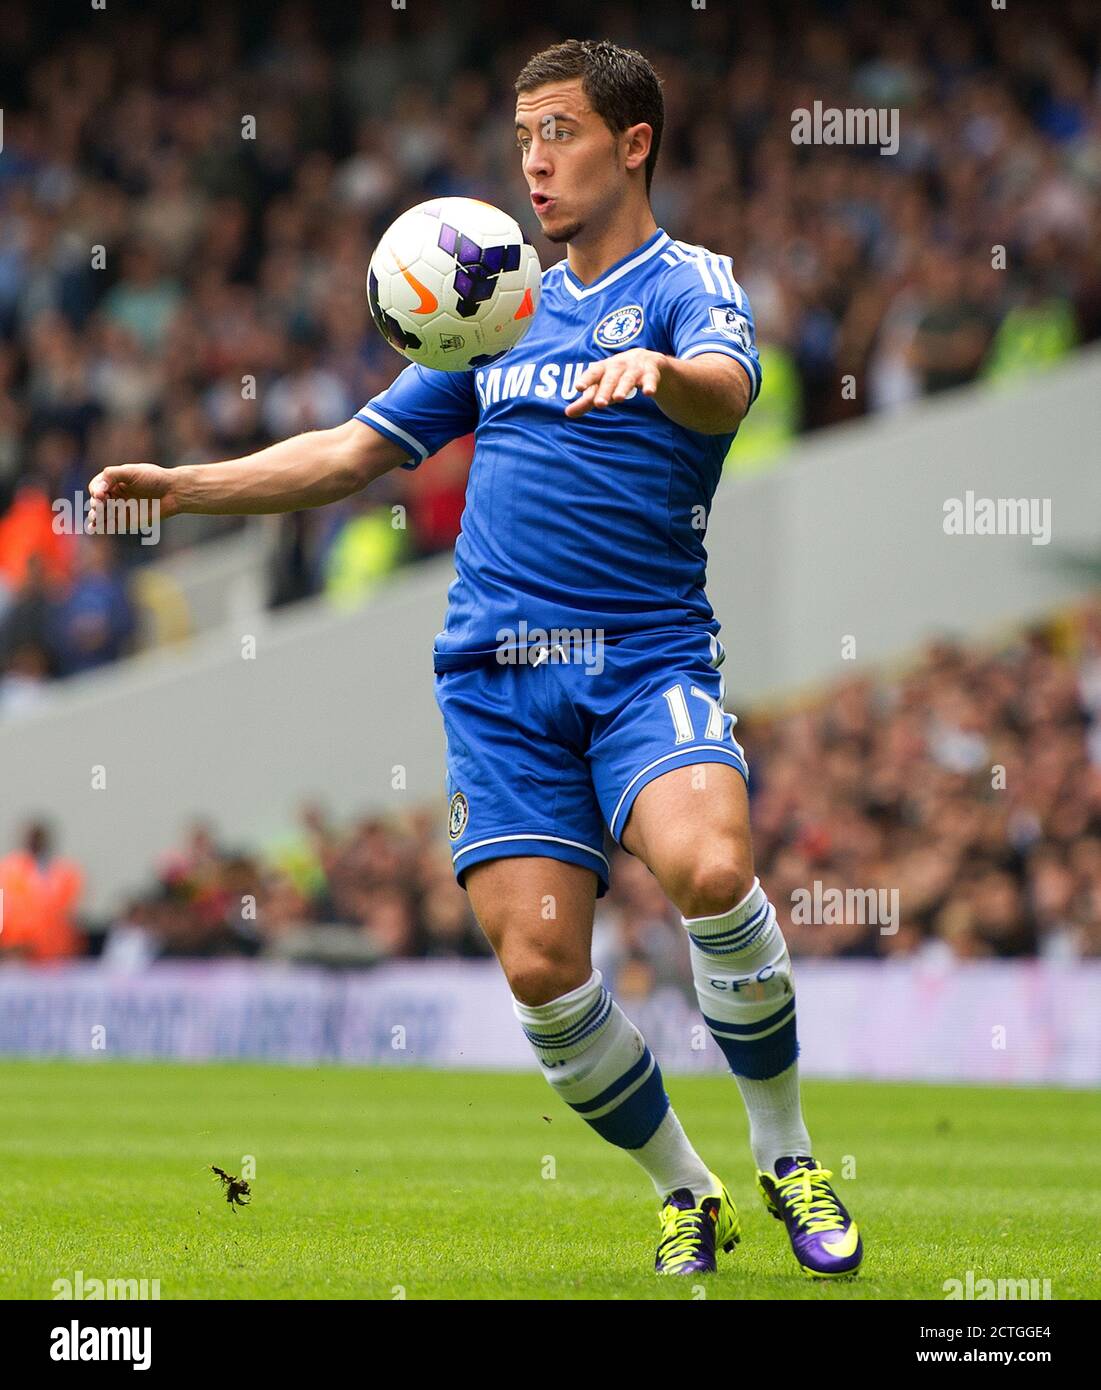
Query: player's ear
(638,139)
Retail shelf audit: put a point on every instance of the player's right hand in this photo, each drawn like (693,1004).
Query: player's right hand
(131,480)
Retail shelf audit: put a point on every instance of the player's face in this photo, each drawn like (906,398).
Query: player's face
(569,158)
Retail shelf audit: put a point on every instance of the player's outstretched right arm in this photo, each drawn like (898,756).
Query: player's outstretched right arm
(307,470)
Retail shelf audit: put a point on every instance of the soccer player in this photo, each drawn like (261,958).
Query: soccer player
(578,670)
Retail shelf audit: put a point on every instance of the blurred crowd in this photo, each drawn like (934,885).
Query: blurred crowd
(189,196)
(970,784)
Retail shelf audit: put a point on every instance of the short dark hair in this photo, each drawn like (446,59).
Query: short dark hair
(619,83)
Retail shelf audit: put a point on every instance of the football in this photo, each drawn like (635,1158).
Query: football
(453,284)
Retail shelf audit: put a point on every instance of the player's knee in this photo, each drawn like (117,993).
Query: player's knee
(711,879)
(537,977)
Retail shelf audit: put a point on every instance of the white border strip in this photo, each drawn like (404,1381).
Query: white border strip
(582,292)
(368,416)
(553,839)
(738,759)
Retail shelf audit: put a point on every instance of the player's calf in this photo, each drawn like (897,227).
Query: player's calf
(598,1063)
(742,973)
(743,979)
(589,1051)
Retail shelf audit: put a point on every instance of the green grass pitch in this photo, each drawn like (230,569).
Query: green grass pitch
(373,1182)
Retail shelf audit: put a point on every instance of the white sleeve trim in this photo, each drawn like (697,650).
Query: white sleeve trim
(370,416)
(752,368)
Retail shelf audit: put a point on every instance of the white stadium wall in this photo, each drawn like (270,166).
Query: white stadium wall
(845,540)
(848,539)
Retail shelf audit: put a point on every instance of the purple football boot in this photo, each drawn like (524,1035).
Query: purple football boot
(691,1232)
(823,1235)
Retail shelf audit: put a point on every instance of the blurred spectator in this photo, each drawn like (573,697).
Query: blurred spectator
(26,618)
(1036,332)
(953,331)
(92,618)
(29,546)
(365,548)
(39,893)
(144,301)
(23,680)
(436,497)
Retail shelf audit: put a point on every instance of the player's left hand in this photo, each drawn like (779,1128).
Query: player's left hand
(616,379)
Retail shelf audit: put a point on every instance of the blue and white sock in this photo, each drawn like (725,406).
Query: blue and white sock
(598,1062)
(742,973)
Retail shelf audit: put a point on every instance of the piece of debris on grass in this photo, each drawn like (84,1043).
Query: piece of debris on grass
(237,1189)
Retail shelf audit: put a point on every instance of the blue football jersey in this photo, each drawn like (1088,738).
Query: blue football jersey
(595,523)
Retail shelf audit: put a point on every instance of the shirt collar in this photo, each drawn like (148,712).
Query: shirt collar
(623,267)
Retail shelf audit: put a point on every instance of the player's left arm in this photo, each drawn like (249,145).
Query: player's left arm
(710,393)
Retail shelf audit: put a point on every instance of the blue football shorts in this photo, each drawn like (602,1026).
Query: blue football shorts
(543,752)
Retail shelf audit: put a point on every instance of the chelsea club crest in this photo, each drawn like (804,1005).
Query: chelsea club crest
(457,815)
(618,328)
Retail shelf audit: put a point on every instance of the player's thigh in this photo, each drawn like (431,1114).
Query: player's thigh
(538,915)
(517,786)
(690,827)
(669,772)
(524,825)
